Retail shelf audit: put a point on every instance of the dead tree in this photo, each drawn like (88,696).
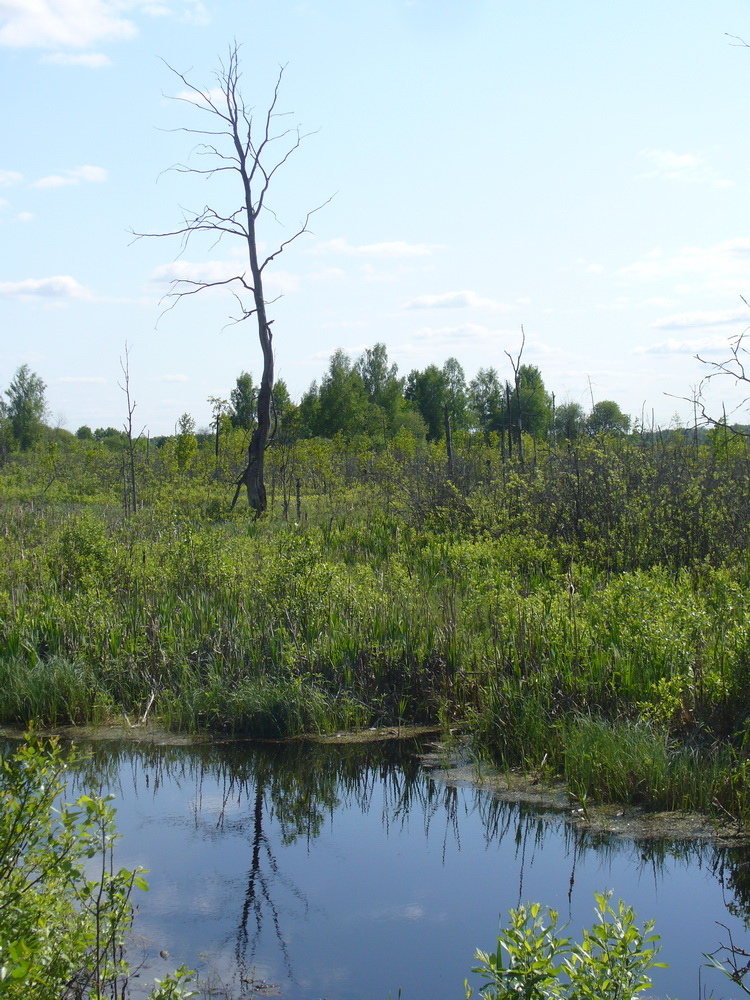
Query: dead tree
(254,149)
(733,368)
(130,494)
(516,365)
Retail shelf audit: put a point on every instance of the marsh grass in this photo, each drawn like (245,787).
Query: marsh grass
(626,673)
(637,763)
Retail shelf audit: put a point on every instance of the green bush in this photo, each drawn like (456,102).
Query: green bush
(533,960)
(62,931)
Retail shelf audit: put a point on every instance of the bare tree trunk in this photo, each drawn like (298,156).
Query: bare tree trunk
(448,440)
(125,366)
(254,151)
(516,364)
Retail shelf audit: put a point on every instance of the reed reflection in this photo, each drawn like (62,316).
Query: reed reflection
(275,796)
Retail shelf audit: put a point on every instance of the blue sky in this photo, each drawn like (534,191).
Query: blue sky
(581,169)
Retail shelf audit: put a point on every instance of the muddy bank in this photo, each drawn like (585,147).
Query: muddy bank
(554,798)
(452,764)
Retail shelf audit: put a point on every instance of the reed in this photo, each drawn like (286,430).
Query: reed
(374,610)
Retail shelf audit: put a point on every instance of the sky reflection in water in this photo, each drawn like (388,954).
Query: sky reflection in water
(350,873)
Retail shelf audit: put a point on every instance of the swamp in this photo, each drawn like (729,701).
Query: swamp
(579,619)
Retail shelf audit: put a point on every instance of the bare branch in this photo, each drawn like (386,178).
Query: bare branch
(256,152)
(300,232)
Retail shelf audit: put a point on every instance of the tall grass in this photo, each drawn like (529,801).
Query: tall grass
(368,613)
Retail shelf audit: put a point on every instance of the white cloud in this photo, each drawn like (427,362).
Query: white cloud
(328,273)
(211,271)
(62,23)
(10,177)
(215,95)
(191,12)
(722,269)
(87,174)
(61,286)
(456,334)
(452,300)
(206,271)
(588,267)
(671,166)
(395,248)
(78,24)
(91,60)
(691,346)
(25,216)
(702,319)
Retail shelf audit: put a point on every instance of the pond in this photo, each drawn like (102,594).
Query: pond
(347,872)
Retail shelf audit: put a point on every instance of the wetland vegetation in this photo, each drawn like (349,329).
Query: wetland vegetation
(578,605)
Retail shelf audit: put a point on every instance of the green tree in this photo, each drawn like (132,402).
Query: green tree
(570,420)
(26,407)
(282,401)
(244,402)
(187,444)
(343,405)
(455,392)
(607,418)
(434,389)
(531,404)
(383,386)
(486,398)
(308,410)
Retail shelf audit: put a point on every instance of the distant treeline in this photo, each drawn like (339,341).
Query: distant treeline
(365,398)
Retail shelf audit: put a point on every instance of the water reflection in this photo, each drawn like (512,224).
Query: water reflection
(350,872)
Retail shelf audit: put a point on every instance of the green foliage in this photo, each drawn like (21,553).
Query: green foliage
(606,417)
(186,448)
(533,960)
(434,390)
(64,910)
(592,601)
(26,407)
(244,400)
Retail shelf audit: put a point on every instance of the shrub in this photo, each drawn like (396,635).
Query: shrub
(62,931)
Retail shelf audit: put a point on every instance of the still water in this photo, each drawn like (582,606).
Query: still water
(350,872)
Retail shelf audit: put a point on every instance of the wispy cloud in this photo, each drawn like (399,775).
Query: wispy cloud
(459,334)
(85,174)
(712,331)
(587,267)
(10,177)
(52,24)
(394,248)
(723,268)
(701,319)
(453,300)
(689,346)
(210,271)
(79,24)
(61,286)
(667,165)
(90,60)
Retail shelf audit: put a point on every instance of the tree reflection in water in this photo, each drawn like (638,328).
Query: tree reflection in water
(299,788)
